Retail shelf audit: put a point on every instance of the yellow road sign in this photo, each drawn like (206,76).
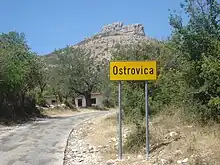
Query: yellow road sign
(133,70)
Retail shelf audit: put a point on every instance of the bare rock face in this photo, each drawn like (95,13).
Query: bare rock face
(102,44)
(119,29)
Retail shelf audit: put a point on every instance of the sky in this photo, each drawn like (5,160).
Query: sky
(53,24)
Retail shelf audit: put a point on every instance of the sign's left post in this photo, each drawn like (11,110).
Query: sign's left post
(119,120)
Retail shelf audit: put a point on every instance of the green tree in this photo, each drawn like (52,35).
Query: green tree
(18,76)
(81,72)
(198,42)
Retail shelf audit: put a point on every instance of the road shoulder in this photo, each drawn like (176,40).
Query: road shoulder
(81,147)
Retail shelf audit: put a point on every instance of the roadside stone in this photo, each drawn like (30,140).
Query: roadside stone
(79,155)
(164,162)
(91,148)
(79,151)
(96,150)
(100,146)
(178,152)
(68,156)
(113,139)
(172,134)
(74,150)
(110,162)
(179,161)
(185,160)
(139,156)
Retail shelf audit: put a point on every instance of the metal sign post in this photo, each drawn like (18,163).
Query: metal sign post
(147,124)
(119,121)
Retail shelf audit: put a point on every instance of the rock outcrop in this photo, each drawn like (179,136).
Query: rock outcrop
(119,29)
(110,37)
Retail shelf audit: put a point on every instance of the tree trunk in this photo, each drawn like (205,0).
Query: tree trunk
(88,99)
(60,96)
(41,93)
(56,97)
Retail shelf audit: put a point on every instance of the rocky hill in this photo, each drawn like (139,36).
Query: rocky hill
(107,40)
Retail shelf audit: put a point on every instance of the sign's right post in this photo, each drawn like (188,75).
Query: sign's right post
(119,121)
(147,122)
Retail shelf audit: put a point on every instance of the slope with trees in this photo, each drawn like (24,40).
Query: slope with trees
(80,72)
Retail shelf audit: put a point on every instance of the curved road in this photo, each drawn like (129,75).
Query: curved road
(40,143)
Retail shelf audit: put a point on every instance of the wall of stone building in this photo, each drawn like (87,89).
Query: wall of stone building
(99,100)
(98,97)
(83,101)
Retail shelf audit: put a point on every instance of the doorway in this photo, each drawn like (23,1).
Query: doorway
(80,102)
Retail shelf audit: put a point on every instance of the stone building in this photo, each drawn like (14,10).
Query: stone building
(97,100)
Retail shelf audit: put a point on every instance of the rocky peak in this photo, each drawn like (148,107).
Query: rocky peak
(118,28)
(111,36)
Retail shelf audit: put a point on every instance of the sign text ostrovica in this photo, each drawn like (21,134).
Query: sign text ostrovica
(133,70)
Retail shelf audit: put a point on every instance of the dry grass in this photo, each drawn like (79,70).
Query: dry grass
(201,145)
(102,131)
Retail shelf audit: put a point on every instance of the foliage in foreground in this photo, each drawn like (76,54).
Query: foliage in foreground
(199,44)
(136,140)
(20,75)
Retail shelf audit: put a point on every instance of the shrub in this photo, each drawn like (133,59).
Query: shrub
(108,102)
(68,104)
(136,140)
